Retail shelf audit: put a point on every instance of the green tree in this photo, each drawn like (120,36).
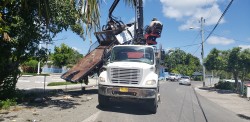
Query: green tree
(216,61)
(193,64)
(213,60)
(234,64)
(30,66)
(178,61)
(23,23)
(65,56)
(245,64)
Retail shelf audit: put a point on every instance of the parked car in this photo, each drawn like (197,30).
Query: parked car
(173,77)
(178,76)
(185,80)
(166,75)
(230,80)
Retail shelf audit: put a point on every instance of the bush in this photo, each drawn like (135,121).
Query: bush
(197,78)
(244,92)
(224,85)
(30,66)
(7,103)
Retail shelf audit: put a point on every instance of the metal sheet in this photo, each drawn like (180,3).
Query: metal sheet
(85,65)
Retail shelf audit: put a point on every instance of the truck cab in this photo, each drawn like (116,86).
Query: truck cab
(131,73)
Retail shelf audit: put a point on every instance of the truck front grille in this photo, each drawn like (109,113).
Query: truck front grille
(125,76)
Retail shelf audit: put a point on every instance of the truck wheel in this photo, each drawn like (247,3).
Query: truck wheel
(103,100)
(153,105)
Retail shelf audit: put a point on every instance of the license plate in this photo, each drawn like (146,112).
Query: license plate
(123,89)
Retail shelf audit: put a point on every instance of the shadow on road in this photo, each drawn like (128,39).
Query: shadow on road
(220,91)
(50,100)
(244,116)
(128,108)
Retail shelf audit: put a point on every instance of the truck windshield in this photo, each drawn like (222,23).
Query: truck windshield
(132,54)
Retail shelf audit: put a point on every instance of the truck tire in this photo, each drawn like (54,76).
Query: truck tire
(153,105)
(103,100)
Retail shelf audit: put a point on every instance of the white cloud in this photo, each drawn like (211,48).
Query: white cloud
(244,46)
(77,49)
(190,11)
(214,40)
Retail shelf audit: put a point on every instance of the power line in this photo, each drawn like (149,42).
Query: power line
(225,11)
(187,45)
(193,40)
(196,50)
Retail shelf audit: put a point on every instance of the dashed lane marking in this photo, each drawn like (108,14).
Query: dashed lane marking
(92,118)
(24,81)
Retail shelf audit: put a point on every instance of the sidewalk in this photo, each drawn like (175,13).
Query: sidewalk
(227,99)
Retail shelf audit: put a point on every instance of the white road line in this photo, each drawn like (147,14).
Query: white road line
(39,82)
(92,118)
(26,81)
(33,88)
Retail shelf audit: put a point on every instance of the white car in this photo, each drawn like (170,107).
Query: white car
(172,77)
(185,80)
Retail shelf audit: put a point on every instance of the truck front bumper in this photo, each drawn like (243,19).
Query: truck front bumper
(127,92)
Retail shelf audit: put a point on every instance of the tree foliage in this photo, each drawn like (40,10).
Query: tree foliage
(245,62)
(216,61)
(235,61)
(234,65)
(213,61)
(30,66)
(65,56)
(24,23)
(178,61)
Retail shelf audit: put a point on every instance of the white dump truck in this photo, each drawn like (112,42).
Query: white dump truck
(125,60)
(131,73)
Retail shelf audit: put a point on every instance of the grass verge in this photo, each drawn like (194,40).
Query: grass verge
(61,83)
(6,104)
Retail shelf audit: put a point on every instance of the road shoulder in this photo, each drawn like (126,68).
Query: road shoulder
(228,100)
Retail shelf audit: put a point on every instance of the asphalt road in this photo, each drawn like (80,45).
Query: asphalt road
(31,82)
(178,104)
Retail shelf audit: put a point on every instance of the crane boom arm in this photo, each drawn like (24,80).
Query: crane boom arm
(112,8)
(139,19)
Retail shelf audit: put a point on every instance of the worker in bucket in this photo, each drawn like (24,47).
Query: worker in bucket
(153,31)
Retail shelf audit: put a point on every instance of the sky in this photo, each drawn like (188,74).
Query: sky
(178,16)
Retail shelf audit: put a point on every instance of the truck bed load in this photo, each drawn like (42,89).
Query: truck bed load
(85,65)
(94,60)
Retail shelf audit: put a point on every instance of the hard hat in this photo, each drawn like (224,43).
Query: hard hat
(154,19)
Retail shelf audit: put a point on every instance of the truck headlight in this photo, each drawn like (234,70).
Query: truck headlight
(101,79)
(150,82)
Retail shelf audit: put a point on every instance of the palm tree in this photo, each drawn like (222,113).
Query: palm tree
(87,11)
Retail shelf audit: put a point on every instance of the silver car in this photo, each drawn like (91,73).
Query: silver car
(185,80)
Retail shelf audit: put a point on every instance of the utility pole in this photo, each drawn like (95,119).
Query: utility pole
(202,50)
(139,19)
(38,67)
